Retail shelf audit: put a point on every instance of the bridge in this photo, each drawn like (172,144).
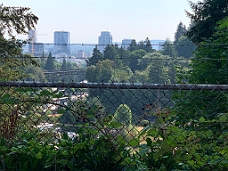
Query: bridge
(52,75)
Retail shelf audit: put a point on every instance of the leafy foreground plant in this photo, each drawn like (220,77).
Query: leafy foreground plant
(83,153)
(199,145)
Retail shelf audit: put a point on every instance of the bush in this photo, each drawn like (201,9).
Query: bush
(123,115)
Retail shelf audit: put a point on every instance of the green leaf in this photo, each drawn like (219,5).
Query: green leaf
(144,130)
(39,155)
(152,132)
(5,96)
(202,119)
(134,142)
(149,142)
(186,157)
(23,90)
(166,147)
(10,101)
(114,124)
(45,93)
(61,111)
(222,118)
(3,148)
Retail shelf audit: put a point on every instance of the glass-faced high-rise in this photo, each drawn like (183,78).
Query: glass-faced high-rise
(62,42)
(104,39)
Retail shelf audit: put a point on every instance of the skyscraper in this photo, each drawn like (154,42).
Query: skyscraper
(34,47)
(32,40)
(104,39)
(62,42)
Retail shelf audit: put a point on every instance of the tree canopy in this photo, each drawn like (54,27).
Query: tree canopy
(12,62)
(19,19)
(205,16)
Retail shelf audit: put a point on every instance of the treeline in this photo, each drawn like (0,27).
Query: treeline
(139,63)
(49,63)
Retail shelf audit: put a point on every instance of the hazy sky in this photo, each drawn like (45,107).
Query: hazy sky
(125,19)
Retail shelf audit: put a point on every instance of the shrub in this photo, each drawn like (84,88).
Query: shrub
(123,115)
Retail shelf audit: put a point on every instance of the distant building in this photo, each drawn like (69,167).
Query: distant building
(104,39)
(126,43)
(62,42)
(80,54)
(157,44)
(38,49)
(32,36)
(32,39)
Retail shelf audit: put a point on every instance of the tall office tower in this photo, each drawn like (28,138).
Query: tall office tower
(62,42)
(32,39)
(126,43)
(104,39)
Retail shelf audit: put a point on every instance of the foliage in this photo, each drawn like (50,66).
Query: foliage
(135,57)
(123,115)
(194,146)
(49,66)
(208,67)
(95,58)
(146,45)
(181,31)
(84,153)
(169,49)
(157,67)
(184,47)
(102,72)
(16,18)
(11,67)
(34,73)
(205,16)
(133,46)
(92,149)
(122,74)
(64,65)
(165,144)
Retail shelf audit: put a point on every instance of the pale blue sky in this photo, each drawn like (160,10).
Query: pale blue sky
(125,19)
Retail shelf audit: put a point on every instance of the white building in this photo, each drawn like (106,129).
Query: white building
(62,42)
(104,39)
(80,54)
(32,40)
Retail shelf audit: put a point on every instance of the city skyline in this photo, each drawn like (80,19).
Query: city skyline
(86,19)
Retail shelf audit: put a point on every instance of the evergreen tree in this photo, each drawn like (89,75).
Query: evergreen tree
(148,47)
(135,56)
(50,66)
(95,58)
(169,49)
(17,19)
(133,46)
(110,52)
(64,65)
(14,20)
(184,47)
(124,56)
(210,66)
(181,31)
(205,16)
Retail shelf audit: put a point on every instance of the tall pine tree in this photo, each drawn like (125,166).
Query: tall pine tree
(50,63)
